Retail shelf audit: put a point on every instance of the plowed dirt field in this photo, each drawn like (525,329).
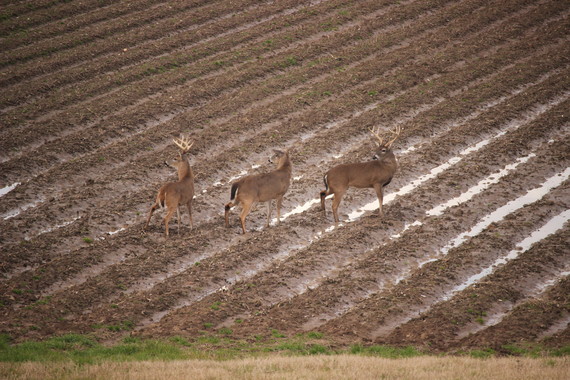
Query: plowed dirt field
(472,250)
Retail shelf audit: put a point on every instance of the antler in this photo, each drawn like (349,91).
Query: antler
(183,143)
(376,134)
(396,132)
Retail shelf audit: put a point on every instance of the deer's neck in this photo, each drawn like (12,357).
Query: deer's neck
(285,166)
(388,163)
(185,172)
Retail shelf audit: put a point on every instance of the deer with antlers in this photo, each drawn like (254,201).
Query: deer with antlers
(261,188)
(174,194)
(375,174)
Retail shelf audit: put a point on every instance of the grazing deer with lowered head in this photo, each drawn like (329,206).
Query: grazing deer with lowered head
(174,194)
(375,174)
(261,188)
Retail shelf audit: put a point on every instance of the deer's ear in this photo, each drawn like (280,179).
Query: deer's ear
(377,144)
(279,152)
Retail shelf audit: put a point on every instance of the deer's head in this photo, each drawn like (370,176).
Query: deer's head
(180,162)
(280,157)
(384,149)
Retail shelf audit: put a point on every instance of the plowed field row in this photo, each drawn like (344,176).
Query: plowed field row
(471,251)
(300,279)
(124,277)
(197,91)
(97,36)
(95,158)
(210,36)
(223,195)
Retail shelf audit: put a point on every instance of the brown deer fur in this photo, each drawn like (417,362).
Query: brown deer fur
(375,174)
(174,194)
(261,188)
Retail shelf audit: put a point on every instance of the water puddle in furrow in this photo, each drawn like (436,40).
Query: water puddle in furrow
(470,193)
(230,281)
(494,178)
(499,312)
(53,228)
(355,214)
(499,214)
(17,211)
(552,226)
(5,190)
(549,228)
(557,327)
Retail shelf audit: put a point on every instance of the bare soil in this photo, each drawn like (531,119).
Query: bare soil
(92,94)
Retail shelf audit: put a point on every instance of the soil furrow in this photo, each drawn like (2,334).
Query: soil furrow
(42,12)
(78,21)
(532,318)
(85,287)
(100,38)
(170,51)
(180,76)
(264,282)
(225,40)
(80,223)
(501,287)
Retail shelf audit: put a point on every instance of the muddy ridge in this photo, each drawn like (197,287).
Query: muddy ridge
(471,249)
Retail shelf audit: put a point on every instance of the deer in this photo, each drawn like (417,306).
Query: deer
(174,194)
(262,187)
(375,174)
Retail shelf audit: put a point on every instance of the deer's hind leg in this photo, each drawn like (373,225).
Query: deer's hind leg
(269,209)
(178,218)
(189,205)
(336,202)
(326,192)
(152,208)
(244,212)
(228,207)
(279,202)
(380,193)
(169,214)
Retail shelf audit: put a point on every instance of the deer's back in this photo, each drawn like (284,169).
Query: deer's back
(264,187)
(361,174)
(181,191)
